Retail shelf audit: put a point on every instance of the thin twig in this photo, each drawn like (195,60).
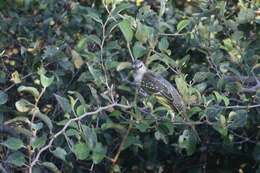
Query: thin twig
(173,35)
(240,106)
(36,159)
(115,159)
(11,86)
(130,52)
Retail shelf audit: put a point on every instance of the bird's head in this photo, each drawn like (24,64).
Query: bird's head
(139,66)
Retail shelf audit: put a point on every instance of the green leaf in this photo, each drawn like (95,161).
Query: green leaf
(72,132)
(51,166)
(182,24)
(200,76)
(81,150)
(139,50)
(143,126)
(37,113)
(221,97)
(80,110)
(77,60)
(82,43)
(162,58)
(39,142)
(93,15)
(31,90)
(110,125)
(182,86)
(16,77)
(94,39)
(132,140)
(143,32)
(96,73)
(123,65)
(64,103)
(46,81)
(16,158)
(99,153)
(245,15)
(60,153)
(161,136)
(121,7)
(115,113)
(13,143)
(3,97)
(125,27)
(90,136)
(2,77)
(187,142)
(23,105)
(237,119)
(163,44)
(221,125)
(116,168)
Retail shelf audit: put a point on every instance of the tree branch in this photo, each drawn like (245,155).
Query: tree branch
(36,159)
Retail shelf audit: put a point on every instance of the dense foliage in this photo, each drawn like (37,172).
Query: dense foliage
(68,102)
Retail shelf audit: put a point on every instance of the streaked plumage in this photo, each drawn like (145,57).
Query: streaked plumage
(156,85)
(163,90)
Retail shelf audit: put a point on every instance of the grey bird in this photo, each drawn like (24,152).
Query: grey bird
(156,85)
(165,93)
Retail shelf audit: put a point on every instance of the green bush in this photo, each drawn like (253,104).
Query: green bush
(68,102)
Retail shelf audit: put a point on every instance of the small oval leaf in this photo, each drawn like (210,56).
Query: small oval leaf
(31,90)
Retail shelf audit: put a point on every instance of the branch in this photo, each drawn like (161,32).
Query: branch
(246,80)
(130,52)
(252,89)
(33,163)
(115,159)
(240,106)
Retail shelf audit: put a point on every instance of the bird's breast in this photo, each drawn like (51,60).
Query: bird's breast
(138,78)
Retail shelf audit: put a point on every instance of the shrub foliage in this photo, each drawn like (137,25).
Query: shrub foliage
(68,102)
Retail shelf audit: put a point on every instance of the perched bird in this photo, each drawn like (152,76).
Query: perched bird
(164,91)
(156,85)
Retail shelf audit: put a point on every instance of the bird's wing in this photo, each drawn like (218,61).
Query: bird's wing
(157,85)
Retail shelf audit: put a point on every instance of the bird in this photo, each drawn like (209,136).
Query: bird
(153,84)
(165,93)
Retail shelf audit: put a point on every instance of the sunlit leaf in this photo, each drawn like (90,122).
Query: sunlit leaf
(182,24)
(23,105)
(237,119)
(143,32)
(78,61)
(46,81)
(81,150)
(31,90)
(125,27)
(16,77)
(187,142)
